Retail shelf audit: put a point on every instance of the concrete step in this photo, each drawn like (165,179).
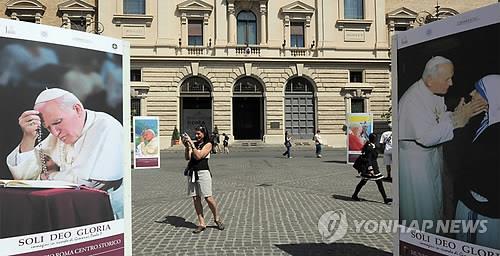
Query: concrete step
(248,143)
(256,144)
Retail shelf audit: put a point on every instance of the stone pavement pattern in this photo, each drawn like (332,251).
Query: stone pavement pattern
(270,206)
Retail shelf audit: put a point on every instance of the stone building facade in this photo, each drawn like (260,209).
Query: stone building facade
(72,14)
(253,68)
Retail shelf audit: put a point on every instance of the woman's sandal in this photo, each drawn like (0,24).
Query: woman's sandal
(220,225)
(199,229)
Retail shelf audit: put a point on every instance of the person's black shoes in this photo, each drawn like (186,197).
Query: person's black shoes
(199,229)
(220,225)
(355,198)
(387,200)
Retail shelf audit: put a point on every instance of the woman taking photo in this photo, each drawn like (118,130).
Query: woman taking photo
(199,176)
(372,172)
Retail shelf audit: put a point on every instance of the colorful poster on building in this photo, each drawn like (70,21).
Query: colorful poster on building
(359,126)
(146,142)
(447,124)
(65,148)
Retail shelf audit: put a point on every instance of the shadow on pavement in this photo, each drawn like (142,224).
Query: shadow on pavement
(348,198)
(177,222)
(337,249)
(336,161)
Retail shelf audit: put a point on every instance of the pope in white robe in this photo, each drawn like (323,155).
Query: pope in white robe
(149,145)
(88,152)
(424,125)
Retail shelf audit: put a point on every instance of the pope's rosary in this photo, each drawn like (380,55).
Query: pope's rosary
(40,151)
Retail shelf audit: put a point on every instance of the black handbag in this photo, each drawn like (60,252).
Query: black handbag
(361,164)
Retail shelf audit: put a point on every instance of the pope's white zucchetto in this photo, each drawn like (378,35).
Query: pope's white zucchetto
(50,94)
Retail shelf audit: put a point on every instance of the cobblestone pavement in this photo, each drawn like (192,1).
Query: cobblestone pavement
(270,206)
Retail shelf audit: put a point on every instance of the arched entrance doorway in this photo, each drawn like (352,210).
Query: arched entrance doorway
(300,110)
(248,109)
(195,104)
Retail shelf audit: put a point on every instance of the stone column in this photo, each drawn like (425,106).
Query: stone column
(307,32)
(184,30)
(286,40)
(205,30)
(263,23)
(232,22)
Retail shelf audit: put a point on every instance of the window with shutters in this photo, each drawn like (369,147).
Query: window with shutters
(297,34)
(195,33)
(353,9)
(134,7)
(247,28)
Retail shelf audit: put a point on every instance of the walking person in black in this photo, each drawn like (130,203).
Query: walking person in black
(288,145)
(199,176)
(226,143)
(372,172)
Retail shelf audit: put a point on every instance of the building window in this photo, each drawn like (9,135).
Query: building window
(248,85)
(401,27)
(297,34)
(195,85)
(135,107)
(195,32)
(355,76)
(299,85)
(357,105)
(135,110)
(30,19)
(78,24)
(134,7)
(353,9)
(135,75)
(247,28)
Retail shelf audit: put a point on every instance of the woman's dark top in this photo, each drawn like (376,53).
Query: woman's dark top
(201,164)
(371,154)
(196,165)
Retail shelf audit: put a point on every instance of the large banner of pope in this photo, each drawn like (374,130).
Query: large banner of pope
(446,102)
(65,142)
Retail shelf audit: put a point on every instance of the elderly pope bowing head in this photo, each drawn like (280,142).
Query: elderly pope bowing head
(85,145)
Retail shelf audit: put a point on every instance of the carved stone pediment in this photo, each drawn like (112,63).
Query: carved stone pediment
(194,6)
(31,5)
(75,5)
(297,7)
(402,13)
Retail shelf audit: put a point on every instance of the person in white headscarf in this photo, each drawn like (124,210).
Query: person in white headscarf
(85,145)
(479,176)
(424,125)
